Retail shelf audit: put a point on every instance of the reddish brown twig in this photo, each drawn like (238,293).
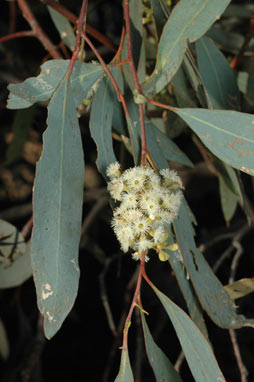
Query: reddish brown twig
(133,304)
(36,28)
(12,19)
(80,27)
(136,82)
(245,45)
(16,35)
(107,71)
(119,50)
(73,18)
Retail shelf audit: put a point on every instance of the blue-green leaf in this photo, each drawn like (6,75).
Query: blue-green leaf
(160,14)
(197,350)
(183,93)
(163,369)
(189,20)
(208,288)
(246,85)
(228,134)
(228,200)
(20,128)
(104,104)
(57,202)
(15,256)
(217,75)
(41,88)
(188,292)
(166,146)
(125,372)
(64,28)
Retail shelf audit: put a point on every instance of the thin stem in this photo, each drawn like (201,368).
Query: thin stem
(107,71)
(73,18)
(16,35)
(159,104)
(136,81)
(245,45)
(134,303)
(12,19)
(80,31)
(36,28)
(119,50)
(143,134)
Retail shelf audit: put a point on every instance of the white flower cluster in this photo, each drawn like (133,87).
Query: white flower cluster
(148,202)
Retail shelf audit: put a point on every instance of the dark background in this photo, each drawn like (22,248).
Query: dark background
(85,347)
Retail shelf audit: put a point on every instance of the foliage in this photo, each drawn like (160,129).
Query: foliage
(168,76)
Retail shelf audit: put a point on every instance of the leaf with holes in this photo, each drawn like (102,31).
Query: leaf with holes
(41,88)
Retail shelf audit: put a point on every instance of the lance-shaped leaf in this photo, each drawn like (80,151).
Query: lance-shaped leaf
(162,367)
(188,292)
(57,203)
(212,296)
(160,14)
(228,200)
(41,88)
(228,134)
(104,104)
(217,75)
(189,20)
(125,372)
(197,351)
(64,28)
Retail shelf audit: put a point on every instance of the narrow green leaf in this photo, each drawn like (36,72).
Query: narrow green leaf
(163,369)
(64,28)
(212,296)
(228,134)
(104,104)
(15,257)
(41,88)
(229,176)
(160,145)
(228,200)
(133,125)
(226,40)
(160,14)
(197,350)
(57,201)
(246,85)
(125,372)
(196,81)
(239,11)
(229,187)
(217,75)
(189,20)
(20,128)
(188,292)
(184,94)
